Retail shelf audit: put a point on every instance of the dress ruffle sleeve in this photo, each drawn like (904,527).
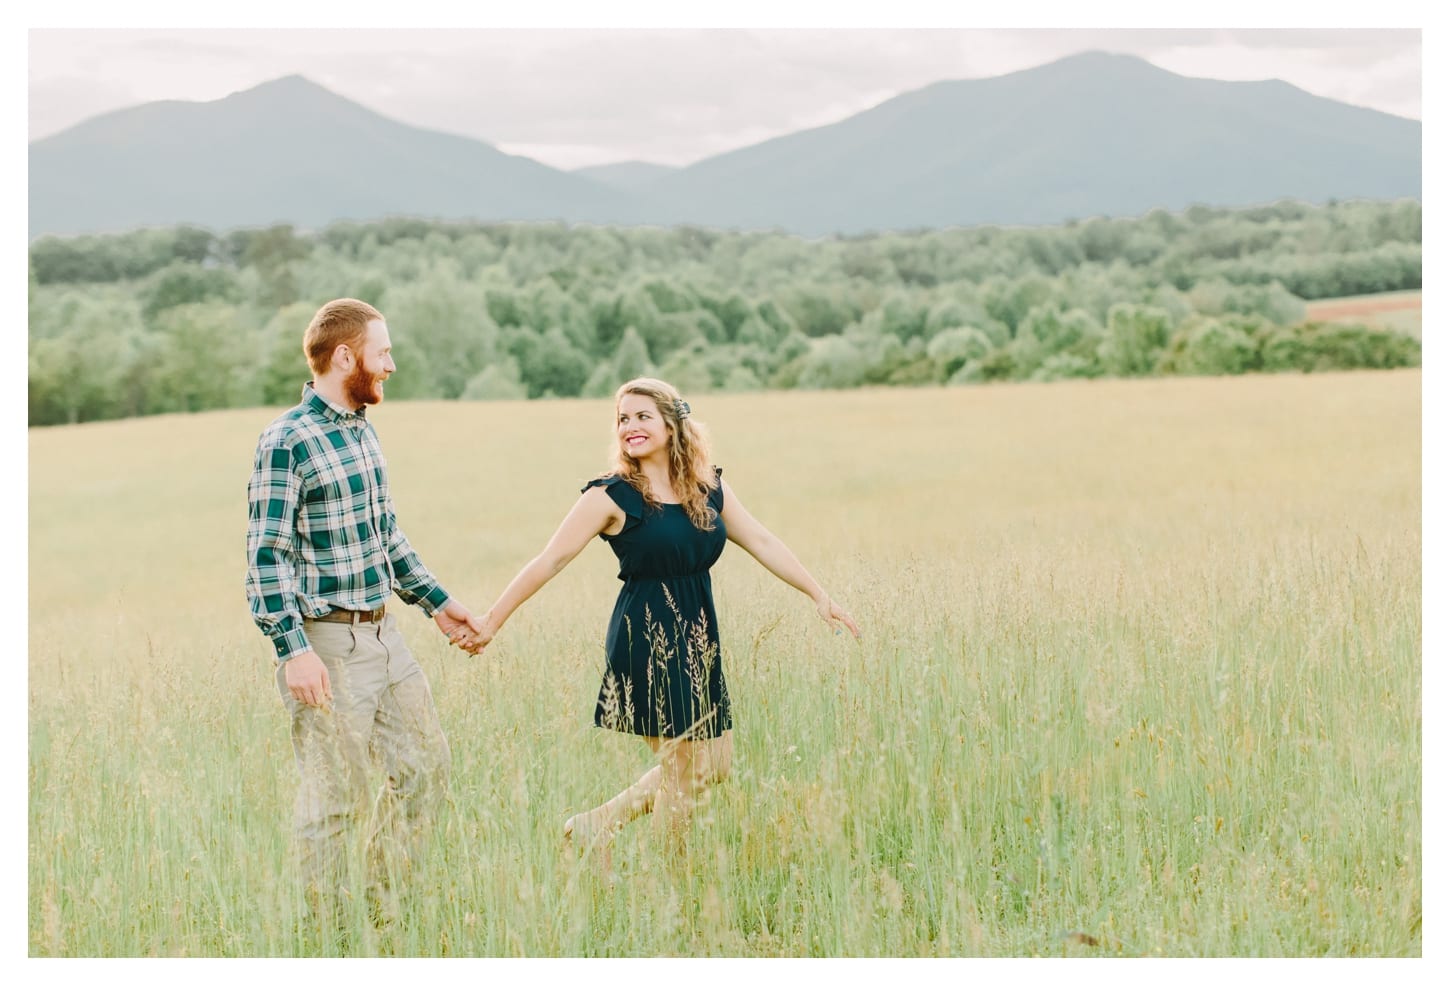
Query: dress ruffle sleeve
(626,497)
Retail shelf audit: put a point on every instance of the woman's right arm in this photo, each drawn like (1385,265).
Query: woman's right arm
(592,514)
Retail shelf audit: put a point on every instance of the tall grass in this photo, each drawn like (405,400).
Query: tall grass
(1141,676)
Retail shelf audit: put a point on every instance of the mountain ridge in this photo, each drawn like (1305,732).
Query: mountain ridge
(1091,134)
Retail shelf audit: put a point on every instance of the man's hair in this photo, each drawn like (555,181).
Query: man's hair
(342,322)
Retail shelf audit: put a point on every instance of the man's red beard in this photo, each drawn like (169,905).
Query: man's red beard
(362,387)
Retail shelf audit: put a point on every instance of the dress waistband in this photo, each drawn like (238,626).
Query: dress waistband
(664,578)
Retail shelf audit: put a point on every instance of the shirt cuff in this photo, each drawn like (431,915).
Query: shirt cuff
(435,599)
(290,644)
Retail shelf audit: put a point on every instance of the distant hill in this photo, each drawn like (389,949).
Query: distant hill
(629,175)
(288,151)
(1089,135)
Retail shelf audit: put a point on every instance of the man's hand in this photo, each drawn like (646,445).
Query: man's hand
(307,679)
(461,627)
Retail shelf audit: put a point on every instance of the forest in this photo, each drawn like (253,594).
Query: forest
(185,319)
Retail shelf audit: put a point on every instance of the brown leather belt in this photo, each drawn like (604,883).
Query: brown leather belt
(353,615)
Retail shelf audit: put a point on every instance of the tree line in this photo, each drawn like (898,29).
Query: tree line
(184,319)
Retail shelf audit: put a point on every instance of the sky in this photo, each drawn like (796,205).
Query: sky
(577,96)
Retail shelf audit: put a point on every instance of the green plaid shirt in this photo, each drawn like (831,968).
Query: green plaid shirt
(321,530)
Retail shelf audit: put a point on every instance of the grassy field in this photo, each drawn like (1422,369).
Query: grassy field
(1397,310)
(1140,676)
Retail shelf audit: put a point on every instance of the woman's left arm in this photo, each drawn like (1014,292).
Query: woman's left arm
(778,559)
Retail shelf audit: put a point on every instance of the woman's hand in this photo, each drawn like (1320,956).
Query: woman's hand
(835,616)
(458,624)
(476,641)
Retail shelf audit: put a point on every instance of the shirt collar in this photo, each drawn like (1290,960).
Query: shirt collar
(327,409)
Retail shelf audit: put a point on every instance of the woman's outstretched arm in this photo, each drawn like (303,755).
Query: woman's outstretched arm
(592,514)
(778,559)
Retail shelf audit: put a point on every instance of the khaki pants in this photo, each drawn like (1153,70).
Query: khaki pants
(373,766)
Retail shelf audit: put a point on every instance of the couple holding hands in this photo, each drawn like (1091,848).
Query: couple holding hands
(325,554)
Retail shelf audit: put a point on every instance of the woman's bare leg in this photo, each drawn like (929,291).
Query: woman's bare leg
(686,768)
(693,765)
(604,820)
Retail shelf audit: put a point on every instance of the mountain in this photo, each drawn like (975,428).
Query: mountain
(628,175)
(1089,135)
(288,151)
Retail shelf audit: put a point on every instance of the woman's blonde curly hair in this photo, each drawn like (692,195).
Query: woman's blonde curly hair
(692,477)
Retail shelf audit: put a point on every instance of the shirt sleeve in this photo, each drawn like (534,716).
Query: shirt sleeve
(272,498)
(412,581)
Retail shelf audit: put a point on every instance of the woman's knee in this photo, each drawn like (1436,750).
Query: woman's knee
(712,761)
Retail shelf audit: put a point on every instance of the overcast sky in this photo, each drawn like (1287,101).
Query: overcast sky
(574,97)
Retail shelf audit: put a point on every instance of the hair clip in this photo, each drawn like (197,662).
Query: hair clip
(682,409)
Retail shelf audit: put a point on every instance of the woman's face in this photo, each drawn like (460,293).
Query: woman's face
(642,432)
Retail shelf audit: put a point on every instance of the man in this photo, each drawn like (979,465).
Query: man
(324,554)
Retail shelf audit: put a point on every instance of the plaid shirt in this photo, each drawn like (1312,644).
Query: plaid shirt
(321,530)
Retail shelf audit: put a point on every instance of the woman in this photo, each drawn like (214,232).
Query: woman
(667,514)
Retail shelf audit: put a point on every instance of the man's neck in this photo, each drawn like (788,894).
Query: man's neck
(331,389)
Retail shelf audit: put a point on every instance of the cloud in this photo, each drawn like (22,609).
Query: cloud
(576,96)
(59,102)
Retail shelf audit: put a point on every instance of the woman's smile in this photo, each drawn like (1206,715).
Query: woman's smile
(641,431)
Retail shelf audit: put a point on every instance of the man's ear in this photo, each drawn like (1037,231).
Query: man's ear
(340,355)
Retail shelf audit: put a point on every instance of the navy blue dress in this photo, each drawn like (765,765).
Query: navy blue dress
(663,676)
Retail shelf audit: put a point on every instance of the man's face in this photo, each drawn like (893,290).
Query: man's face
(373,363)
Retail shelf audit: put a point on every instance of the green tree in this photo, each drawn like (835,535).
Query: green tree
(688,370)
(832,363)
(756,331)
(1214,347)
(902,315)
(1133,340)
(1331,346)
(499,381)
(548,306)
(1008,300)
(1056,330)
(272,253)
(884,355)
(1281,350)
(731,311)
(774,316)
(552,367)
(952,349)
(281,364)
(740,380)
(999,364)
(1066,366)
(443,322)
(204,363)
(952,313)
(185,282)
(819,310)
(84,371)
(630,360)
(669,332)
(51,360)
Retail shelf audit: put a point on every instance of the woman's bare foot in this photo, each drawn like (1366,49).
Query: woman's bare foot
(590,834)
(588,830)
